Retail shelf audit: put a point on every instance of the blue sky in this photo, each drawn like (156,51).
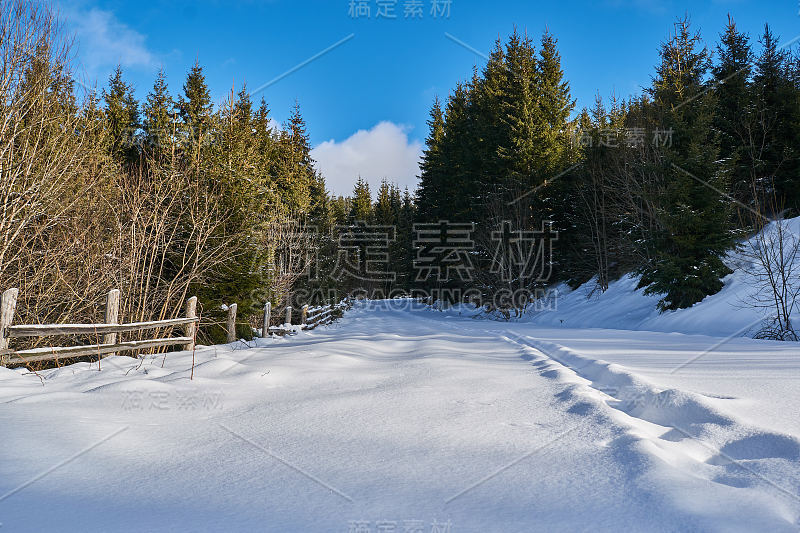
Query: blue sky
(367,98)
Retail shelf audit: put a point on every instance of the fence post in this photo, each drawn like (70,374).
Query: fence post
(191,327)
(304,315)
(232,323)
(267,312)
(112,317)
(289,315)
(8,306)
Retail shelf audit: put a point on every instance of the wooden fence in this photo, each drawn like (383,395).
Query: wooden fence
(108,330)
(310,318)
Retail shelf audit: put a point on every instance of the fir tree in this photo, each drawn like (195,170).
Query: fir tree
(293,171)
(122,116)
(733,112)
(195,110)
(385,210)
(429,193)
(777,162)
(361,203)
(555,106)
(457,185)
(694,230)
(158,123)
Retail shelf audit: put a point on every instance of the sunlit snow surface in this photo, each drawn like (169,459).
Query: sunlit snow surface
(401,416)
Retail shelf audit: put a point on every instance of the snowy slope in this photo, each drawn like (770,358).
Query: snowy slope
(405,417)
(624,307)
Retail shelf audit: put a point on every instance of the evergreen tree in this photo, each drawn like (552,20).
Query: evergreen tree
(776,157)
(491,131)
(293,166)
(429,193)
(158,123)
(195,110)
(122,116)
(385,210)
(524,151)
(731,76)
(694,232)
(456,186)
(361,203)
(555,106)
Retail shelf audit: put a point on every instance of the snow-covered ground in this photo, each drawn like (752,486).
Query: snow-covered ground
(408,419)
(728,312)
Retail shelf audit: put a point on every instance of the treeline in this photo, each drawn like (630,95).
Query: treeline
(260,176)
(661,184)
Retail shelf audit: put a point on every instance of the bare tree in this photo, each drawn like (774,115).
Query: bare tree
(72,223)
(290,255)
(773,255)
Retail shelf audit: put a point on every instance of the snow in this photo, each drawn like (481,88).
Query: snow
(399,415)
(623,307)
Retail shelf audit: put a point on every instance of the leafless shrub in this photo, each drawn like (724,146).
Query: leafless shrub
(774,261)
(290,255)
(73,224)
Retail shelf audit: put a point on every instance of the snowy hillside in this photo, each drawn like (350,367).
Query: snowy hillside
(622,306)
(403,417)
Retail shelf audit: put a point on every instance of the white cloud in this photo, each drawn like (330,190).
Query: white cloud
(104,41)
(384,151)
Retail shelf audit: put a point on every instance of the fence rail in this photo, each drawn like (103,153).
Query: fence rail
(310,318)
(46,330)
(109,330)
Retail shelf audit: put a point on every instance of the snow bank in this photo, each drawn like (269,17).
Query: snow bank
(622,306)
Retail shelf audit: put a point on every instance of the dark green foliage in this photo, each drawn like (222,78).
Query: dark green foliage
(361,203)
(694,231)
(733,111)
(503,146)
(776,159)
(429,193)
(713,142)
(195,110)
(122,118)
(159,119)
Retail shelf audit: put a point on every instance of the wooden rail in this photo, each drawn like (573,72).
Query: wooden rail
(47,330)
(310,318)
(109,330)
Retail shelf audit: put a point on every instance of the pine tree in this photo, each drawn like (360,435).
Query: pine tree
(429,193)
(292,168)
(491,131)
(385,209)
(361,203)
(158,123)
(733,112)
(523,151)
(195,110)
(457,186)
(227,166)
(694,231)
(555,106)
(405,242)
(122,116)
(265,148)
(777,162)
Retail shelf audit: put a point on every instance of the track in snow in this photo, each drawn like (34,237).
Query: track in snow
(403,418)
